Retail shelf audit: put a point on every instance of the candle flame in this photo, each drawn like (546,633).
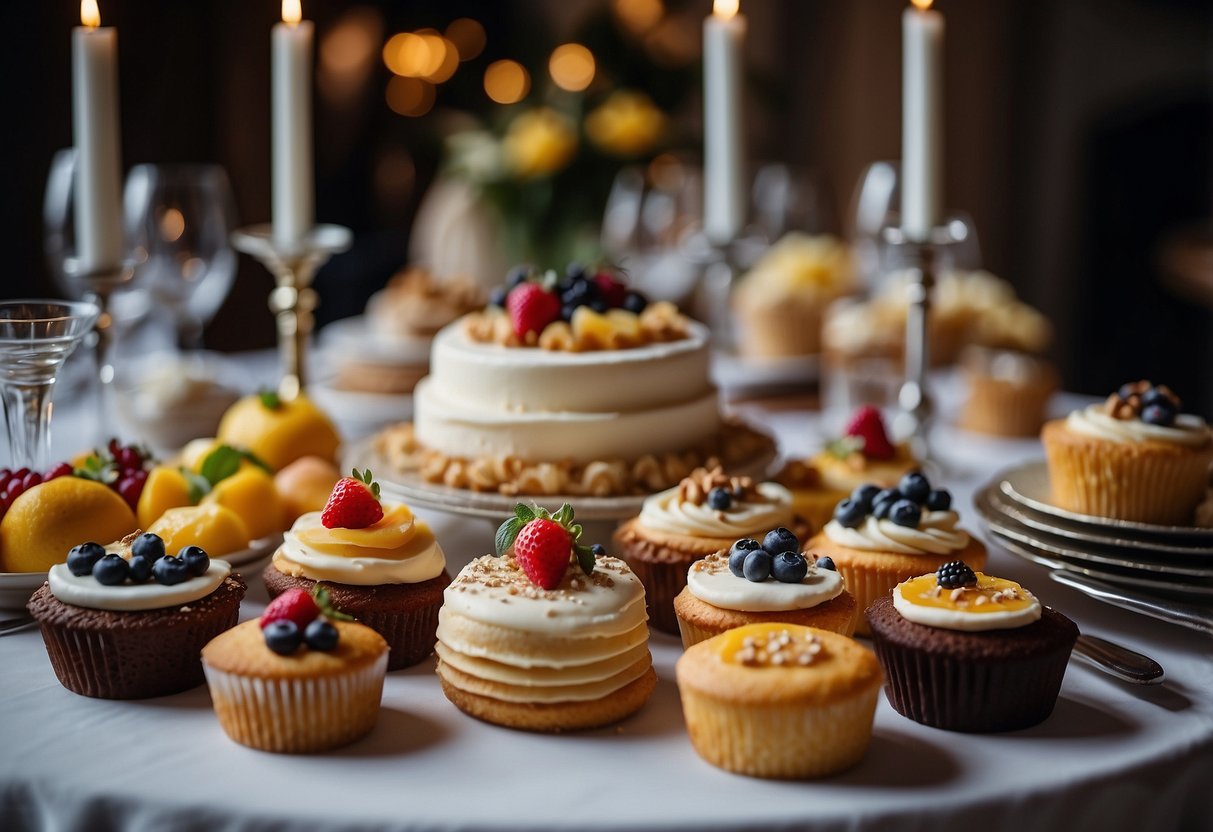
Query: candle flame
(922,5)
(726,9)
(90,15)
(291,11)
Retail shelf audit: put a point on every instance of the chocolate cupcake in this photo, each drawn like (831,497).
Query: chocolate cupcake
(123,626)
(969,652)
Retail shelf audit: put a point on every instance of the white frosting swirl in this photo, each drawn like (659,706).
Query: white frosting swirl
(1095,422)
(424,559)
(721,588)
(948,618)
(665,512)
(935,534)
(87,591)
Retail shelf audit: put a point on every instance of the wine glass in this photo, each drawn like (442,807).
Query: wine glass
(36,337)
(178,219)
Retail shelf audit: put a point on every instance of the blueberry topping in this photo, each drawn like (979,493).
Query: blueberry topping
(780,540)
(914,486)
(757,566)
(566,312)
(882,508)
(905,513)
(886,495)
(1155,395)
(80,559)
(598,550)
(575,272)
(282,636)
(149,545)
(111,570)
(955,574)
(720,499)
(497,296)
(170,570)
(738,553)
(141,569)
(635,302)
(850,513)
(939,500)
(1158,414)
(599,305)
(865,495)
(321,634)
(789,567)
(579,293)
(517,276)
(1127,389)
(826,562)
(195,559)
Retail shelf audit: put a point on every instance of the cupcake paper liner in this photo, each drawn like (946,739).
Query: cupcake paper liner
(411,636)
(662,582)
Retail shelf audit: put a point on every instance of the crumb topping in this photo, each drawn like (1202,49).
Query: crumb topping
(695,488)
(1129,401)
(779,649)
(506,574)
(614,329)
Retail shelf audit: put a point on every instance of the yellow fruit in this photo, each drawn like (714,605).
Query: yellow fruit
(591,326)
(165,488)
(392,531)
(197,450)
(215,528)
(305,485)
(279,435)
(251,494)
(45,522)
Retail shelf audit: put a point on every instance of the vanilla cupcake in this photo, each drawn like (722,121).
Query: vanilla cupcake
(547,636)
(705,513)
(1008,392)
(1134,457)
(881,537)
(382,565)
(780,701)
(863,454)
(767,582)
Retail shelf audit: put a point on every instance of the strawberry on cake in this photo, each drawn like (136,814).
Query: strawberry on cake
(549,634)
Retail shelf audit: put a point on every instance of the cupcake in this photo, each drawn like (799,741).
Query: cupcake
(863,454)
(706,512)
(302,678)
(779,700)
(880,537)
(379,563)
(129,624)
(549,635)
(1008,392)
(767,582)
(812,500)
(969,652)
(1134,457)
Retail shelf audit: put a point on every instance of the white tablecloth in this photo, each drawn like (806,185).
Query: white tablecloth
(1112,756)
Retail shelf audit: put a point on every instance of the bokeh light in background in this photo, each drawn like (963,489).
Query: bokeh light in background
(410,96)
(347,54)
(572,67)
(639,16)
(468,37)
(506,82)
(424,54)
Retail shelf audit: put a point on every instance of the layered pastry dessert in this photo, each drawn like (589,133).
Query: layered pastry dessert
(571,386)
(548,636)
(1133,457)
(127,621)
(303,678)
(703,514)
(882,536)
(756,582)
(378,562)
(970,652)
(779,303)
(779,700)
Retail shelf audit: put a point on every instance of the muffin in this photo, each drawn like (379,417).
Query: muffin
(863,454)
(1134,457)
(297,680)
(880,537)
(767,582)
(969,652)
(129,624)
(1008,392)
(704,513)
(549,635)
(379,563)
(812,501)
(779,700)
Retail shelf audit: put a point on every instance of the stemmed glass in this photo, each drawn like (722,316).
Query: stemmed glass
(178,219)
(36,337)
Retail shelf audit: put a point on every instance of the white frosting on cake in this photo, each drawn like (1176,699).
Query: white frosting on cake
(539,405)
(1093,421)
(666,512)
(969,619)
(87,591)
(710,581)
(935,534)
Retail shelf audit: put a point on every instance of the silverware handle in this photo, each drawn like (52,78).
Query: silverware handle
(1176,612)
(1119,661)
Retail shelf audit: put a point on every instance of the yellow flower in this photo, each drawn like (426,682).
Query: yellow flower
(538,143)
(627,124)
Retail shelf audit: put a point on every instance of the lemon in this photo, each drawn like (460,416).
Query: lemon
(45,522)
(215,528)
(279,432)
(165,488)
(252,495)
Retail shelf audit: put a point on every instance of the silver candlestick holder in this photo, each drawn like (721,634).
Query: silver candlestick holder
(293,299)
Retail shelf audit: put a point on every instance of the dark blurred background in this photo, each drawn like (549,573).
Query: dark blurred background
(1079,137)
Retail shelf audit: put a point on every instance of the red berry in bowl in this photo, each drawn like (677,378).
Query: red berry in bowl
(129,488)
(531,308)
(610,289)
(63,469)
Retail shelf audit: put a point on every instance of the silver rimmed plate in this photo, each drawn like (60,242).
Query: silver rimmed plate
(1028,485)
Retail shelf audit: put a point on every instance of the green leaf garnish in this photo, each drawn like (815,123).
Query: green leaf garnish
(506,533)
(220,464)
(367,479)
(844,447)
(198,486)
(325,601)
(270,399)
(585,559)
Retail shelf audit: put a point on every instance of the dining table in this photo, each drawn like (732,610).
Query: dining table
(1112,755)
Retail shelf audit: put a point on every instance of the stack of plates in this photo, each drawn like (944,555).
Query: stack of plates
(1172,562)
